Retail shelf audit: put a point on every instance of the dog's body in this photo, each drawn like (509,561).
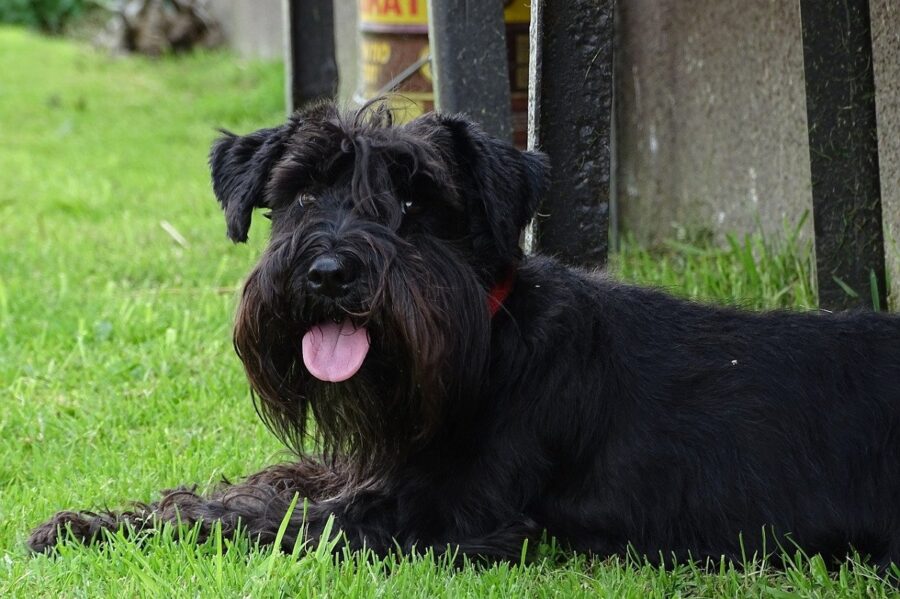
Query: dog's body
(467,397)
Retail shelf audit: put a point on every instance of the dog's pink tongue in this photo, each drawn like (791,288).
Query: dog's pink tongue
(334,352)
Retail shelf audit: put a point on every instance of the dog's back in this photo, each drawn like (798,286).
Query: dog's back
(706,424)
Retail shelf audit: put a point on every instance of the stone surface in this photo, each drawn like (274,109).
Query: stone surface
(886,54)
(254,28)
(711,117)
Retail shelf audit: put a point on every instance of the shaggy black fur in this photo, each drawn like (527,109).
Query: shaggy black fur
(603,414)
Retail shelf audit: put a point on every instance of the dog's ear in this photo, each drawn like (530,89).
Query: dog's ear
(240,167)
(505,184)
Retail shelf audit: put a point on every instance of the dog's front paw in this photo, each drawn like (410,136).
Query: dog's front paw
(84,528)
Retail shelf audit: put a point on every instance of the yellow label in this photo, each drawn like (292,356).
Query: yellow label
(378,53)
(394,12)
(426,67)
(415,12)
(517,11)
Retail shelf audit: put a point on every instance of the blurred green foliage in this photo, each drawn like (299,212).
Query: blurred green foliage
(47,15)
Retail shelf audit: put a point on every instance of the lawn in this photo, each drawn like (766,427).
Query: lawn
(117,288)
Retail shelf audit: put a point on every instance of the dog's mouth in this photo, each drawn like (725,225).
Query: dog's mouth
(334,351)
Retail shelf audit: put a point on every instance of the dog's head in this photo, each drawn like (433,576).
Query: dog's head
(369,305)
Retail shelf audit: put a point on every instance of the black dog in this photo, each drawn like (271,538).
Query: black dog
(470,398)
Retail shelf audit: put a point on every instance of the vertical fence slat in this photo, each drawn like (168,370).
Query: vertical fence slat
(843,152)
(310,65)
(570,102)
(468,49)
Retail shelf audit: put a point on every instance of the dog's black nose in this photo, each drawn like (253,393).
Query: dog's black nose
(327,277)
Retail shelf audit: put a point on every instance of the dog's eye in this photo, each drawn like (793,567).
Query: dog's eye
(410,207)
(303,198)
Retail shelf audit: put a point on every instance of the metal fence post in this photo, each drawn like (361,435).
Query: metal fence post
(570,115)
(843,153)
(468,50)
(310,66)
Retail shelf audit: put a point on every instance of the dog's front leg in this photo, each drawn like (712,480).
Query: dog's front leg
(176,505)
(256,506)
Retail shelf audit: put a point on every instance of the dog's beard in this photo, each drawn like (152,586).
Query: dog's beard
(426,320)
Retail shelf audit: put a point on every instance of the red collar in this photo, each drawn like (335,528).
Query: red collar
(500,291)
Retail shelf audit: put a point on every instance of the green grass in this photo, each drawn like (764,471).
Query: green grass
(116,371)
(752,272)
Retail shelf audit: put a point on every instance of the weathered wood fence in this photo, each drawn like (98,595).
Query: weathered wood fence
(571,118)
